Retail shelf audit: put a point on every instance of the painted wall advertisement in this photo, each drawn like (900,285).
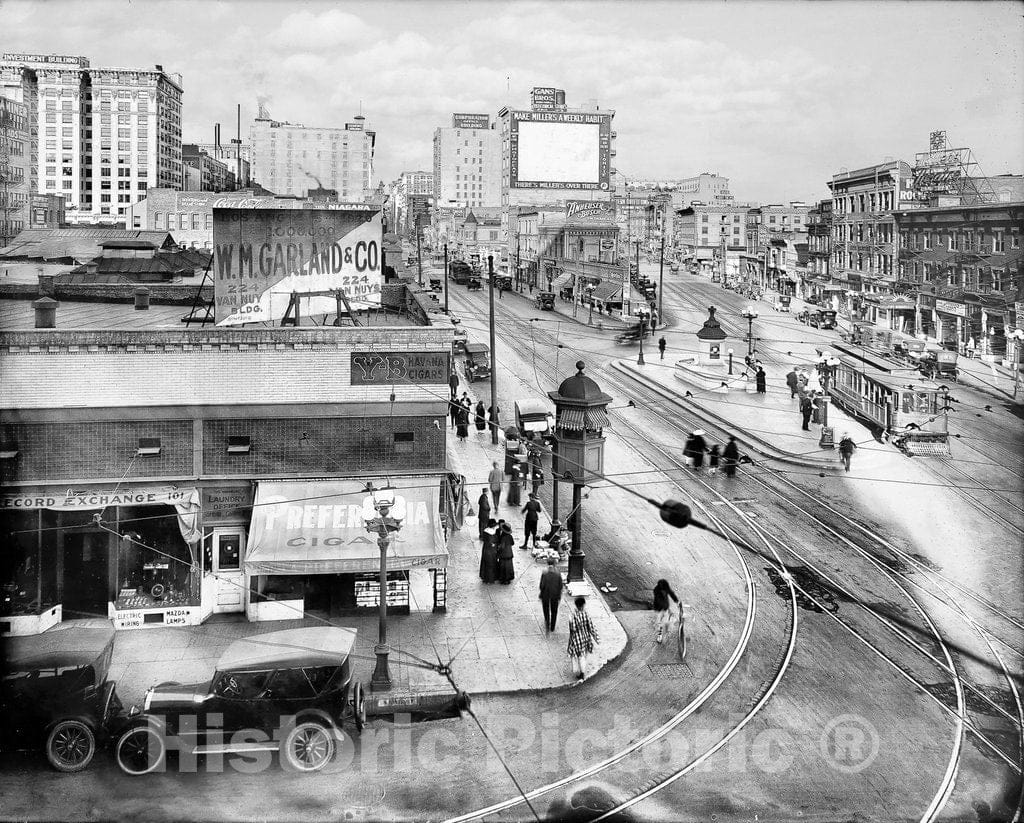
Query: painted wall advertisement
(263,256)
(471,121)
(560,150)
(589,210)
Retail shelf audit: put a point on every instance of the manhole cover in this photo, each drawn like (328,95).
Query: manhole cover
(667,670)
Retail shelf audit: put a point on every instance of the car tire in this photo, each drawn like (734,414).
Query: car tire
(70,746)
(308,747)
(358,706)
(140,750)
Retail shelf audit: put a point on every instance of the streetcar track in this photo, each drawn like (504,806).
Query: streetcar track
(948,781)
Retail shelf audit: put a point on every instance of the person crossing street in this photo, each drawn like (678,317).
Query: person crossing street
(661,347)
(846,449)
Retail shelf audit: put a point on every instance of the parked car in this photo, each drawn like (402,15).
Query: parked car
(478,361)
(55,694)
(545,300)
(535,419)
(289,691)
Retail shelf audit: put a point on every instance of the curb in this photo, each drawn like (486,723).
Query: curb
(756,444)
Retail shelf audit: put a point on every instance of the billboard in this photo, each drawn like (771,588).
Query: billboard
(547,98)
(589,210)
(471,121)
(261,256)
(559,150)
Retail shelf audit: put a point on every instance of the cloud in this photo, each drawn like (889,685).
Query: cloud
(324,30)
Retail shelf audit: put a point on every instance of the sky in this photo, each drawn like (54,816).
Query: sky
(776,96)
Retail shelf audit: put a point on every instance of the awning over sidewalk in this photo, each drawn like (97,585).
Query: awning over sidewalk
(608,292)
(319,527)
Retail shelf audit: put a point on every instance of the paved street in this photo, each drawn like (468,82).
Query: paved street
(292,293)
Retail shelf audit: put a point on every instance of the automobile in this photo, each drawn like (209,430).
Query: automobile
(288,691)
(474,284)
(435,284)
(460,272)
(545,300)
(55,695)
(782,302)
(502,282)
(632,334)
(821,319)
(478,361)
(535,419)
(461,337)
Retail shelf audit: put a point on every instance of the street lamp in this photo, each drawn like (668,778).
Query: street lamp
(1017,335)
(730,361)
(383,513)
(642,314)
(751,316)
(590,299)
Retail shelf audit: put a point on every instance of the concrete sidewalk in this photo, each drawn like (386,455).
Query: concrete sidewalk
(493,634)
(766,425)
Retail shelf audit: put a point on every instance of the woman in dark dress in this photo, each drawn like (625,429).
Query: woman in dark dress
(489,554)
(481,421)
(759,381)
(462,423)
(730,457)
(695,448)
(506,569)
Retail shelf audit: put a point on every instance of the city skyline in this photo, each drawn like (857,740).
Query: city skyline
(764,95)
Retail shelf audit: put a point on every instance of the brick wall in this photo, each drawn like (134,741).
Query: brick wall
(79,450)
(103,451)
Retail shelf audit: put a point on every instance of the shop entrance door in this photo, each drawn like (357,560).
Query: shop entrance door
(86,573)
(227,568)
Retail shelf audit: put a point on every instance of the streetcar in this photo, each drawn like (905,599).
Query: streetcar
(894,397)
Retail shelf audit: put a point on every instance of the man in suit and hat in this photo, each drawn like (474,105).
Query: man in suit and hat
(550,595)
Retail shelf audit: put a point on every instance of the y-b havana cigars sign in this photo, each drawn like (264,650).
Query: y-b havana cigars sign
(263,256)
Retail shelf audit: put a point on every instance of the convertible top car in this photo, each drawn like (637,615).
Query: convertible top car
(55,694)
(286,691)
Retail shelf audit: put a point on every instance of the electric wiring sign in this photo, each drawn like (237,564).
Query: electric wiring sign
(264,256)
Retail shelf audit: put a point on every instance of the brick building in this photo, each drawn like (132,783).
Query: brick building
(961,269)
(159,476)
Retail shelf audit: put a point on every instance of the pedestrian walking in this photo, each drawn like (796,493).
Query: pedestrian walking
(537,479)
(760,381)
(466,402)
(663,599)
(582,637)
(695,448)
(506,542)
(484,507)
(730,457)
(661,347)
(462,423)
(489,553)
(793,382)
(492,413)
(454,407)
(532,510)
(806,409)
(515,486)
(479,417)
(713,457)
(494,480)
(453,383)
(846,449)
(550,595)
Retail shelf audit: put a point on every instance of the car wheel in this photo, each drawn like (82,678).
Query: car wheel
(70,746)
(308,747)
(358,706)
(140,750)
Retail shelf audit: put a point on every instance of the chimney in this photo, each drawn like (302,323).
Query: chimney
(46,312)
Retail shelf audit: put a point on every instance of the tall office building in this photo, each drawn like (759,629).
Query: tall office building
(101,136)
(292,159)
(14,169)
(467,162)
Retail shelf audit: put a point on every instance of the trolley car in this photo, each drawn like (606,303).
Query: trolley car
(908,408)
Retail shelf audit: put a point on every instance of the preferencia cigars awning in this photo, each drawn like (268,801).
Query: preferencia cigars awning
(318,527)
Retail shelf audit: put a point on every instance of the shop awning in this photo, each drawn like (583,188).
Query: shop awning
(580,419)
(608,291)
(319,527)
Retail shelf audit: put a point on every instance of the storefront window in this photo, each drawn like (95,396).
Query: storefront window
(155,567)
(19,564)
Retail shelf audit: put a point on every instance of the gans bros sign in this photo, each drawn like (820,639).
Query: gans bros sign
(264,256)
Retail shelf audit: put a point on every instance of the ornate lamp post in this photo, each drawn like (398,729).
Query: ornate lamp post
(642,314)
(590,299)
(751,315)
(578,453)
(730,361)
(382,517)
(828,371)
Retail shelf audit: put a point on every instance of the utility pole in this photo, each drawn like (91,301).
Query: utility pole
(661,280)
(419,256)
(494,369)
(446,278)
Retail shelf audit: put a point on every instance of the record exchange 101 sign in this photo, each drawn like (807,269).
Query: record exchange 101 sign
(263,256)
